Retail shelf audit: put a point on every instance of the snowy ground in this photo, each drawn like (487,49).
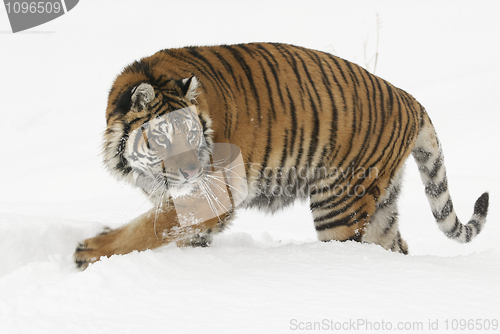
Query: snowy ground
(268,274)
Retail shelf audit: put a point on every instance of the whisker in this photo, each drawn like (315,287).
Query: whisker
(231,187)
(211,205)
(229,175)
(217,201)
(213,200)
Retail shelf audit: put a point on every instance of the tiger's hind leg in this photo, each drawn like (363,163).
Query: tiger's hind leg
(339,213)
(383,226)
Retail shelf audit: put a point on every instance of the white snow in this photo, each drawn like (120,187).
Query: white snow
(267,274)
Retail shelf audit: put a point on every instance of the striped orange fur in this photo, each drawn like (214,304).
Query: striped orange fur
(309,125)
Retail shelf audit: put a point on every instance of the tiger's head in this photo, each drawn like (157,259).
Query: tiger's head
(157,138)
(168,151)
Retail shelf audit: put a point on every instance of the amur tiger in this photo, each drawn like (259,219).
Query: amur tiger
(307,124)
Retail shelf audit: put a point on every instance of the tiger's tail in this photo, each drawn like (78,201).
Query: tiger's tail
(429,157)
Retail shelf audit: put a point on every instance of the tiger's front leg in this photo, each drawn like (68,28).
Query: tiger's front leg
(148,231)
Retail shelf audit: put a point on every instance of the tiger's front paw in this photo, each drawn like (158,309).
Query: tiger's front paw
(91,250)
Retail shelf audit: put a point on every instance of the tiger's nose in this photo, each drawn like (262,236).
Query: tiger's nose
(189,172)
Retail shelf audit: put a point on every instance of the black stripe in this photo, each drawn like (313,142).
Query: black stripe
(226,127)
(382,123)
(144,67)
(267,151)
(341,222)
(346,221)
(335,112)
(314,135)
(421,155)
(365,142)
(227,66)
(321,162)
(476,224)
(269,92)
(248,76)
(391,198)
(339,68)
(445,212)
(294,122)
(301,149)
(468,233)
(435,190)
(351,73)
(396,137)
(202,66)
(122,104)
(292,62)
(335,200)
(438,163)
(332,213)
(390,223)
(310,80)
(451,233)
(409,128)
(273,66)
(322,191)
(354,95)
(263,69)
(280,177)
(400,244)
(393,245)
(372,120)
(399,136)
(284,52)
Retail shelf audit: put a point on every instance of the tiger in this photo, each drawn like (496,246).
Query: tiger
(308,125)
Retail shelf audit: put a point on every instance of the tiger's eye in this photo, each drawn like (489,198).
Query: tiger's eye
(162,139)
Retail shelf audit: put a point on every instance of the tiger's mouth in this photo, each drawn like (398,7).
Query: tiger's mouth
(185,181)
(183,189)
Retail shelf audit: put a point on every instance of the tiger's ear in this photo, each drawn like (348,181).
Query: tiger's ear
(142,95)
(189,88)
